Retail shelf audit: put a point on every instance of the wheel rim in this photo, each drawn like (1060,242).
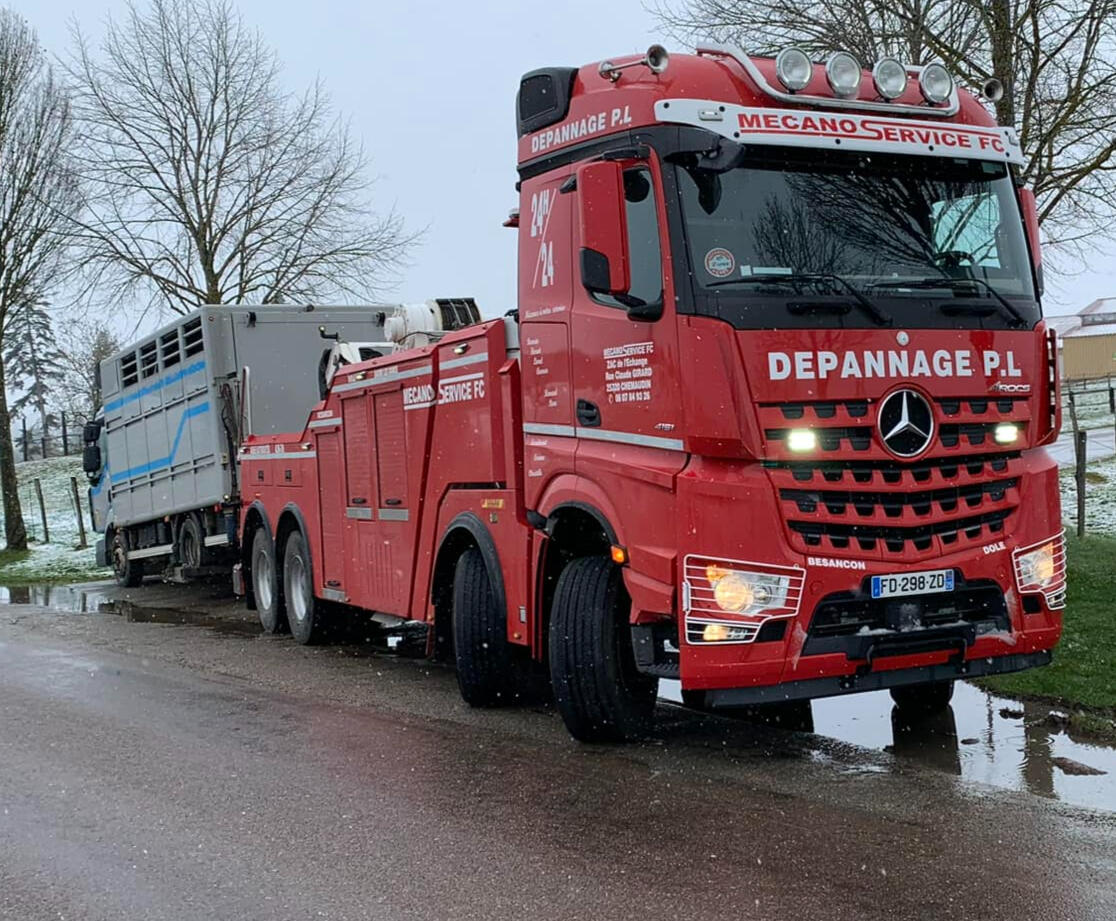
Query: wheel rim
(296,570)
(264,572)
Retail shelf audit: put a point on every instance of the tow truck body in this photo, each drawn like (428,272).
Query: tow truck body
(770,420)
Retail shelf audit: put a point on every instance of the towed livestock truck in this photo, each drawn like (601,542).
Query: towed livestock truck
(770,419)
(161,455)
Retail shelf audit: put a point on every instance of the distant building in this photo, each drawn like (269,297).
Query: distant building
(1088,341)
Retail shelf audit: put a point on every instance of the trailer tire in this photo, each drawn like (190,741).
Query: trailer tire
(598,689)
(265,583)
(923,699)
(304,612)
(128,573)
(191,543)
(486,672)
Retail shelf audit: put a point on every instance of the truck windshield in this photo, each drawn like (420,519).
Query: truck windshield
(889,226)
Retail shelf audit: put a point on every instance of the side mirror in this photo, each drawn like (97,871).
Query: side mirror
(604,228)
(1031,222)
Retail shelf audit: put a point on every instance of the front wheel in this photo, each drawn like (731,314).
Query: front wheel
(128,573)
(598,690)
(923,699)
(304,612)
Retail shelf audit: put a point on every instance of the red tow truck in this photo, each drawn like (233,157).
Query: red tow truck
(770,418)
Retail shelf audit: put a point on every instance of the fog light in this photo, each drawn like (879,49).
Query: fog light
(794,69)
(1006,433)
(890,78)
(800,440)
(936,84)
(843,72)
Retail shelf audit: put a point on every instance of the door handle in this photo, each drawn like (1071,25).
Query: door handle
(588,414)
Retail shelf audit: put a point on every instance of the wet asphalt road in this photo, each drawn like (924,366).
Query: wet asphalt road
(150,771)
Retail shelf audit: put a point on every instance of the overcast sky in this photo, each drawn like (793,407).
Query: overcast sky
(430,87)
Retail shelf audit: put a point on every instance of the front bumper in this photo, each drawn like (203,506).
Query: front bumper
(809,688)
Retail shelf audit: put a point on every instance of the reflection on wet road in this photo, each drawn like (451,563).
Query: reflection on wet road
(981,738)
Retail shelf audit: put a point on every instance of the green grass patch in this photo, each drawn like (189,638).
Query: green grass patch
(1083,673)
(12,556)
(1091,476)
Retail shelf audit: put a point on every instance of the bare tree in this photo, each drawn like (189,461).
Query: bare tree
(39,196)
(85,344)
(1056,59)
(212,184)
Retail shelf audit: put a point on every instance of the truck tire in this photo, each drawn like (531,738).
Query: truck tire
(598,690)
(191,543)
(265,583)
(128,573)
(923,699)
(304,612)
(486,672)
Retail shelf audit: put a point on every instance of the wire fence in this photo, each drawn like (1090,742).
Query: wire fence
(61,440)
(1089,413)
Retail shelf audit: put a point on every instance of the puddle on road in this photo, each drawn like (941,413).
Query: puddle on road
(981,737)
(72,599)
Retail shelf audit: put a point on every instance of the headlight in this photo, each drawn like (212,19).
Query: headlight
(1036,569)
(727,601)
(890,78)
(936,84)
(794,69)
(843,72)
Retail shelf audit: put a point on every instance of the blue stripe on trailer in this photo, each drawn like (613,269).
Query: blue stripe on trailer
(155,387)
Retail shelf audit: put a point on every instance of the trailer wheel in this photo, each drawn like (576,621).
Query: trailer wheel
(265,583)
(923,699)
(485,670)
(191,543)
(128,573)
(304,613)
(599,692)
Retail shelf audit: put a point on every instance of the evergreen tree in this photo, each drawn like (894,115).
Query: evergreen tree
(33,362)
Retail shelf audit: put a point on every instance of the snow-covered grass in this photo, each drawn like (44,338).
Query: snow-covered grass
(59,560)
(1091,401)
(1100,497)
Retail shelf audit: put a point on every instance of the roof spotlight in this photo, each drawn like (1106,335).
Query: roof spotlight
(993,90)
(794,69)
(890,78)
(936,84)
(842,71)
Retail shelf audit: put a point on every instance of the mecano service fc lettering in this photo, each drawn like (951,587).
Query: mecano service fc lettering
(901,363)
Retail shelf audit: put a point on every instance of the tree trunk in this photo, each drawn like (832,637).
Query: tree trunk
(1003,59)
(14,530)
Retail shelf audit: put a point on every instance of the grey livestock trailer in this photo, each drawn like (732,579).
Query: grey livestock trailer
(161,456)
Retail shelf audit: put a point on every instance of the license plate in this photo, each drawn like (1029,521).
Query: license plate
(912,583)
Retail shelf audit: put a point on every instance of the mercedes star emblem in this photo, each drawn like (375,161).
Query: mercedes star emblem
(906,423)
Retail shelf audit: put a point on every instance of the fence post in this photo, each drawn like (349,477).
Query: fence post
(26,443)
(1073,411)
(42,509)
(1079,474)
(77,511)
(65,437)
(1111,397)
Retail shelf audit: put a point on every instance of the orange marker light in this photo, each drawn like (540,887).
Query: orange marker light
(619,555)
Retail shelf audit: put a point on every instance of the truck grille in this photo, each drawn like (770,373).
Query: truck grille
(854,499)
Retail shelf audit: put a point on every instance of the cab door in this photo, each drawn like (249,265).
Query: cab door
(625,371)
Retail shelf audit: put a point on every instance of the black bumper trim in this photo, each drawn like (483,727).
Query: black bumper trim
(873,681)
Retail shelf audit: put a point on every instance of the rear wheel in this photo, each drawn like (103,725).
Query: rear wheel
(191,543)
(128,573)
(304,613)
(265,583)
(598,690)
(486,672)
(923,699)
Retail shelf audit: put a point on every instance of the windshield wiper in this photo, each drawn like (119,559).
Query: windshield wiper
(875,312)
(957,284)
